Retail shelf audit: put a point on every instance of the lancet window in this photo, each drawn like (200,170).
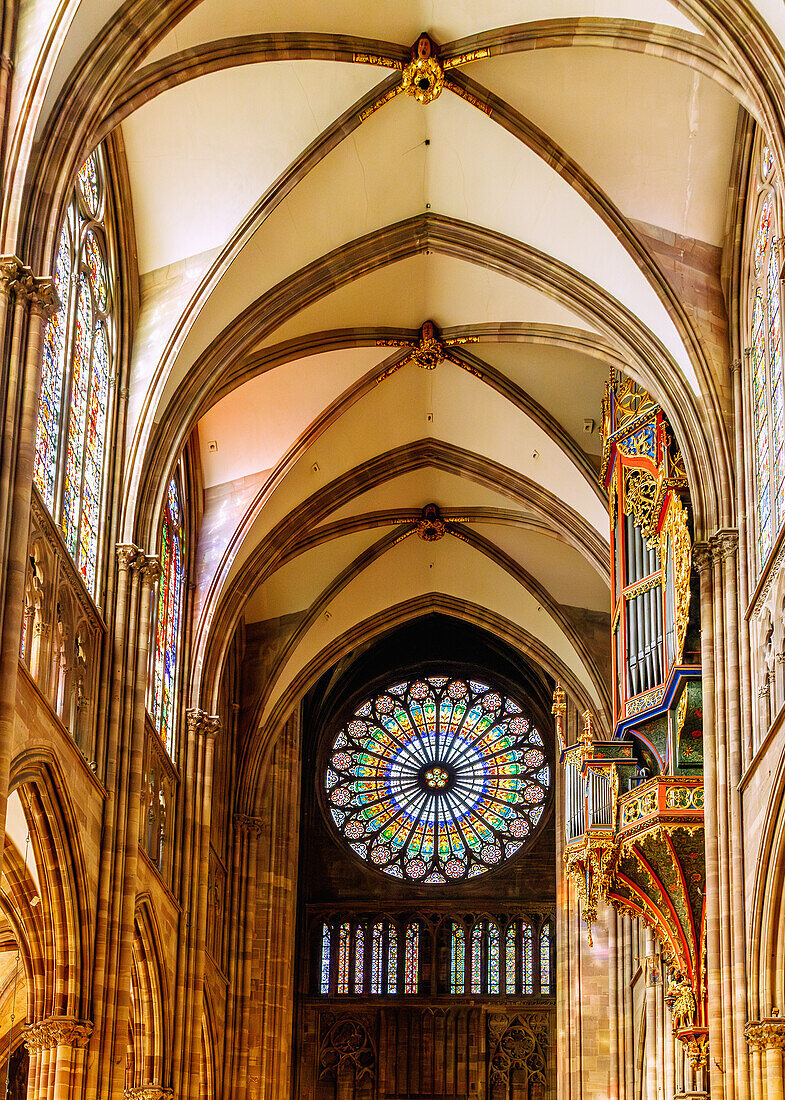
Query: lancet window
(168,618)
(478,956)
(77,372)
(765,356)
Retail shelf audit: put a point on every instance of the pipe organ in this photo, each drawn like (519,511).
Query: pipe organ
(634,804)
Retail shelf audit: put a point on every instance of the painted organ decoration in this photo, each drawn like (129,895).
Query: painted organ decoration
(634,804)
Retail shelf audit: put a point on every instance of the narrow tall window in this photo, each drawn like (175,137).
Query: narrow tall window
(492,960)
(359,959)
(167,631)
(545,959)
(765,355)
(78,363)
(412,966)
(392,960)
(377,944)
(527,959)
(344,938)
(476,959)
(324,983)
(510,959)
(457,960)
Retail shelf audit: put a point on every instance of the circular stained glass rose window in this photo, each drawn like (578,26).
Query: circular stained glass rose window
(437,780)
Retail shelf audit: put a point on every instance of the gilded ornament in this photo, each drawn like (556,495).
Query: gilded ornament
(431,527)
(423,78)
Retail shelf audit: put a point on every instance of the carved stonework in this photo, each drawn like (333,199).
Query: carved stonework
(347,1040)
(245,824)
(199,721)
(149,1092)
(431,527)
(423,78)
(58,1031)
(518,1042)
(766,1034)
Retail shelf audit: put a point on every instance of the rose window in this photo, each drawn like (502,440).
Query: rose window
(437,779)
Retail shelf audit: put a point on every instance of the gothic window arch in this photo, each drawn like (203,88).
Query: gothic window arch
(764,337)
(79,363)
(168,618)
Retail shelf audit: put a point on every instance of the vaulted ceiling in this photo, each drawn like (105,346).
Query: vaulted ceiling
(296,214)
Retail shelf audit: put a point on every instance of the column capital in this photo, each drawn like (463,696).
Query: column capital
(245,824)
(701,556)
(148,1092)
(199,721)
(766,1034)
(11,268)
(57,1031)
(725,543)
(735,365)
(150,567)
(39,292)
(127,554)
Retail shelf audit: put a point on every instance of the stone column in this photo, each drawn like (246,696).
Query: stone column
(32,300)
(651,963)
(766,1040)
(278,898)
(56,1047)
(702,560)
(202,730)
(245,857)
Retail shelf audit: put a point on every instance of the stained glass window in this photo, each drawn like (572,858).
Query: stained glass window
(377,938)
(392,960)
(765,363)
(412,961)
(76,371)
(545,959)
(437,779)
(359,958)
(457,959)
(476,959)
(511,959)
(344,938)
(492,960)
(527,952)
(167,630)
(324,982)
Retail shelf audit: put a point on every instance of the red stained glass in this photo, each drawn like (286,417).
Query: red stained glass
(167,634)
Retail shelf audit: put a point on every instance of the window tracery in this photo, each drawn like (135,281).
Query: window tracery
(77,369)
(168,618)
(767,388)
(437,779)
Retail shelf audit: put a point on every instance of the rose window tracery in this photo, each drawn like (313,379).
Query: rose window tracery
(437,779)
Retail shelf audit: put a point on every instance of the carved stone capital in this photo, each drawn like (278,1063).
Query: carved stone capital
(766,1034)
(58,1031)
(245,824)
(127,554)
(150,567)
(40,293)
(11,268)
(148,1092)
(735,366)
(199,721)
(724,544)
(702,556)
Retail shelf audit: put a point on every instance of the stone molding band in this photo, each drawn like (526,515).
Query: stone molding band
(57,1031)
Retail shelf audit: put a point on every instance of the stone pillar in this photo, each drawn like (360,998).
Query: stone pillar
(120,840)
(56,1047)
(30,301)
(651,967)
(278,915)
(245,857)
(195,837)
(766,1040)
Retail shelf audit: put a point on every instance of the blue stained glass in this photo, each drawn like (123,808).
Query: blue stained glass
(527,967)
(392,960)
(476,959)
(492,977)
(545,959)
(457,960)
(49,408)
(377,942)
(359,959)
(437,779)
(412,960)
(324,983)
(167,634)
(344,936)
(510,960)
